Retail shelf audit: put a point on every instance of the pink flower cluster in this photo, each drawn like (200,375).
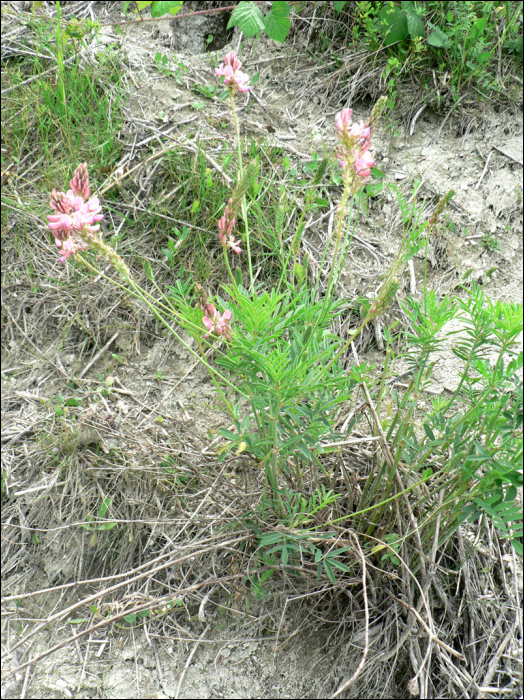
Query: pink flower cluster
(216,323)
(234,78)
(213,321)
(353,151)
(76,218)
(225,230)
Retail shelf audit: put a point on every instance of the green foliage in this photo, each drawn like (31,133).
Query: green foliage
(250,20)
(73,106)
(159,8)
(458,43)
(277,357)
(282,355)
(479,428)
(292,547)
(95,527)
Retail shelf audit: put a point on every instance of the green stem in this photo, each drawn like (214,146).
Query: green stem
(244,203)
(137,292)
(60,55)
(295,245)
(273,465)
(233,280)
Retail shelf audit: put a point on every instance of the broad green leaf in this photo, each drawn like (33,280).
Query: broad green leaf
(227,434)
(415,25)
(106,503)
(130,618)
(339,5)
(163,7)
(248,18)
(517,546)
(438,38)
(270,538)
(277,22)
(285,555)
(339,565)
(393,24)
(483,58)
(378,174)
(304,450)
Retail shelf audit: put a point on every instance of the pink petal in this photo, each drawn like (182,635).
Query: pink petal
(343,118)
(208,323)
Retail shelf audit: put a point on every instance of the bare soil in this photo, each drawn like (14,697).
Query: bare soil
(199,650)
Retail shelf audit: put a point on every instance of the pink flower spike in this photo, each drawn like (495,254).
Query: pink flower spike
(225,225)
(343,119)
(61,225)
(208,323)
(364,163)
(70,247)
(241,80)
(231,59)
(80,182)
(93,206)
(223,70)
(59,202)
(360,130)
(222,324)
(234,245)
(216,323)
(234,78)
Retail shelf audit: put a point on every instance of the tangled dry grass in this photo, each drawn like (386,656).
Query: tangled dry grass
(427,621)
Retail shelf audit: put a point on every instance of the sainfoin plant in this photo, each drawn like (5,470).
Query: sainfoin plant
(278,368)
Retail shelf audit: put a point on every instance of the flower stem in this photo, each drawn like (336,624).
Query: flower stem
(244,203)
(139,293)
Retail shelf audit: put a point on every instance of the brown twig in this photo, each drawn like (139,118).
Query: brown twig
(95,596)
(143,606)
(432,636)
(347,684)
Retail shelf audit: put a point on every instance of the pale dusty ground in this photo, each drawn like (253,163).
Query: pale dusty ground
(221,666)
